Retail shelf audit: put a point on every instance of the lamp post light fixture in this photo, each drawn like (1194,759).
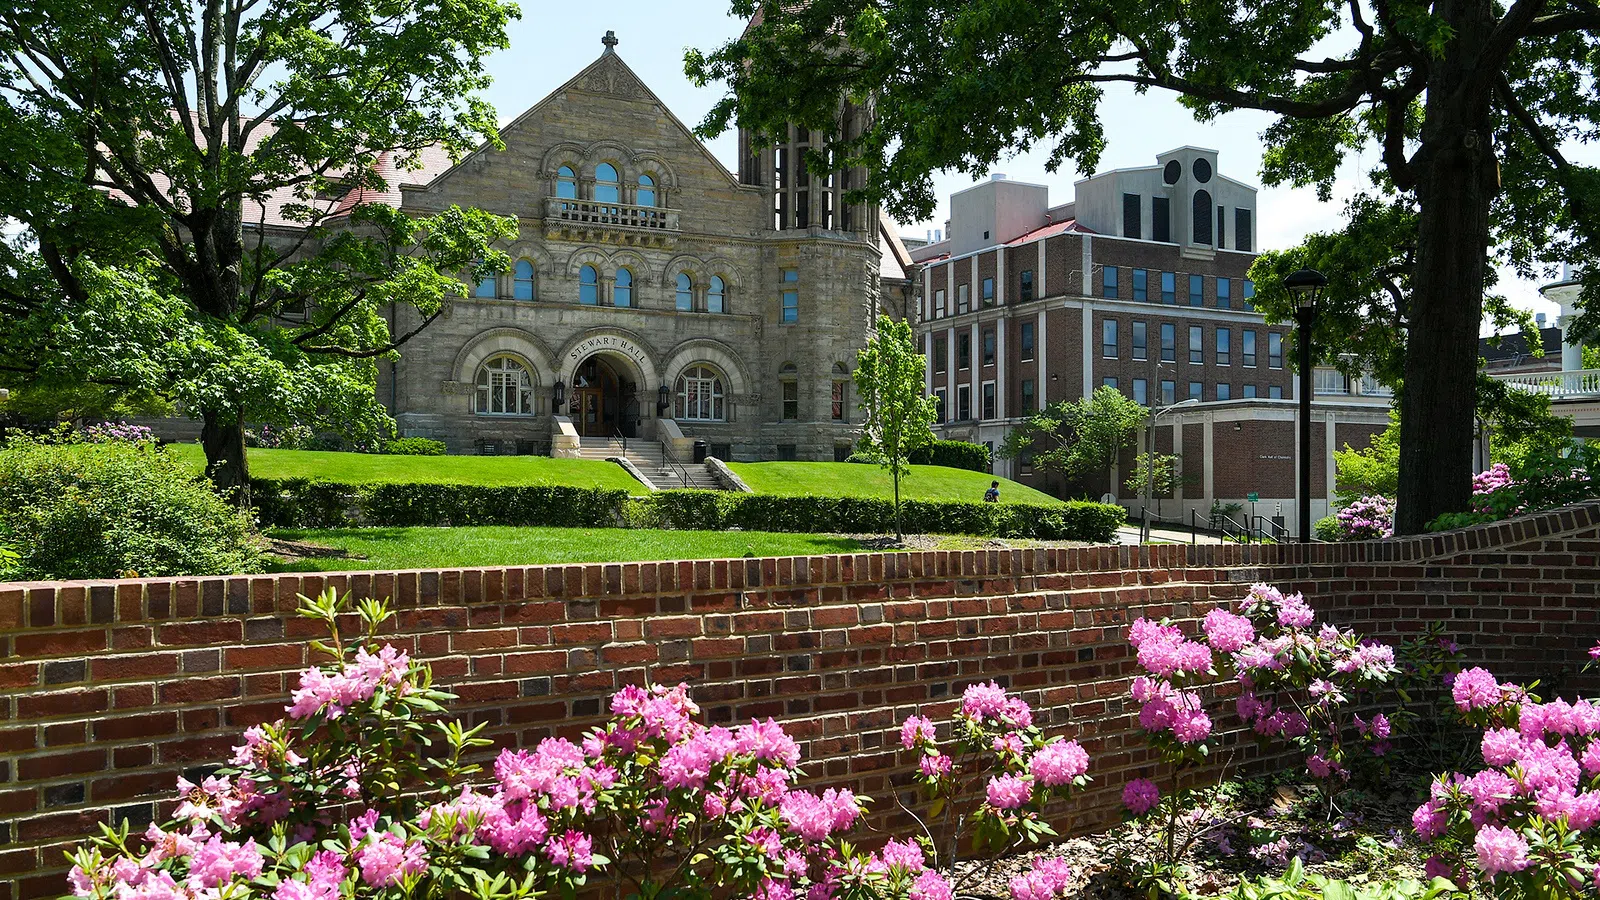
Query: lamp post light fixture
(1306,285)
(1149,458)
(663,399)
(559,396)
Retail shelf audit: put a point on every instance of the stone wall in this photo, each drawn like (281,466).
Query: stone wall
(108,690)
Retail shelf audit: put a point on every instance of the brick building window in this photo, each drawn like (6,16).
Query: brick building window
(988,292)
(941,355)
(1140,340)
(1141,284)
(1249,294)
(1169,392)
(1027,396)
(963,351)
(988,346)
(1224,346)
(1109,381)
(988,400)
(1224,391)
(1197,290)
(1169,288)
(1247,340)
(963,402)
(1196,390)
(1026,293)
(1108,282)
(1274,350)
(962,304)
(1108,338)
(939,310)
(1169,342)
(939,396)
(1224,293)
(1197,345)
(1275,392)
(1249,392)
(1141,392)
(1025,342)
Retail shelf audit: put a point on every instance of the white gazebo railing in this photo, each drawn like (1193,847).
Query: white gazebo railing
(1579,383)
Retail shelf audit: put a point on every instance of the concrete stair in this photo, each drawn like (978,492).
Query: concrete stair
(650,458)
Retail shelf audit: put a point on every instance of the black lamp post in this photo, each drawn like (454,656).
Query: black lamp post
(559,397)
(663,399)
(1306,285)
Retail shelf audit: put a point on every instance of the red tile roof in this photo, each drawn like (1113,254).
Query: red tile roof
(1054,228)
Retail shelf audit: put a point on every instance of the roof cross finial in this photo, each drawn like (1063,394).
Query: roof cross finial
(610,40)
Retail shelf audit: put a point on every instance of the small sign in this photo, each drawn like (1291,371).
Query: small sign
(1252,496)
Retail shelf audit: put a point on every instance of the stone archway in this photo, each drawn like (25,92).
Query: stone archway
(612,380)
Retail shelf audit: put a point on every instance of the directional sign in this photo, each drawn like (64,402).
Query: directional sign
(1252,496)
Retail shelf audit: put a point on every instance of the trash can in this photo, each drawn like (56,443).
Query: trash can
(702,449)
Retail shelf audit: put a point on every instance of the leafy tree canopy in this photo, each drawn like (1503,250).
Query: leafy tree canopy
(1077,437)
(185,174)
(1465,105)
(895,414)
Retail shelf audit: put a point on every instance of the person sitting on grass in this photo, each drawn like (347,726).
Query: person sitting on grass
(992,495)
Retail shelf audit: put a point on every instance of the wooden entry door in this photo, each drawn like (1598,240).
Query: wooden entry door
(596,398)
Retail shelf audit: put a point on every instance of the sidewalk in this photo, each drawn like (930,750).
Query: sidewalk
(1129,534)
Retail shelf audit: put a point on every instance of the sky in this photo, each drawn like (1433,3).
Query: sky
(553,41)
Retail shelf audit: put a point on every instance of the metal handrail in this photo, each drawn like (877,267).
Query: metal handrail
(668,458)
(617,434)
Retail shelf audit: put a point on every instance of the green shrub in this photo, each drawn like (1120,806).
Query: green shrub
(415,446)
(115,509)
(714,510)
(954,454)
(1328,529)
(302,503)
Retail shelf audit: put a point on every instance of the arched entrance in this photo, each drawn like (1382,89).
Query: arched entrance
(604,399)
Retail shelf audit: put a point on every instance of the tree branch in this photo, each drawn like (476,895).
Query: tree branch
(1536,133)
(379,351)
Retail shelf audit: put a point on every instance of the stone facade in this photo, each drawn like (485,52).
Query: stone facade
(634,308)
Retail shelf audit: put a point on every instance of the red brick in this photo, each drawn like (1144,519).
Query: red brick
(57,765)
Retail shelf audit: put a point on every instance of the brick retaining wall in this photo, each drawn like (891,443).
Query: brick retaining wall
(109,689)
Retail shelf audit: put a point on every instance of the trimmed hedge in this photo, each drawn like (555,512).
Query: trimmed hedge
(955,455)
(300,503)
(415,446)
(304,503)
(718,510)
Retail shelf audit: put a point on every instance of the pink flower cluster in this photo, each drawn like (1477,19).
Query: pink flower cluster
(1474,689)
(990,702)
(1368,518)
(335,692)
(1166,708)
(1140,795)
(1058,763)
(1165,651)
(1226,631)
(1048,879)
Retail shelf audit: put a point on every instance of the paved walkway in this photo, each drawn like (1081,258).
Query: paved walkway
(1129,534)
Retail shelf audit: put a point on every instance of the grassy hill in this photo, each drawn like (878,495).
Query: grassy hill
(368,468)
(860,480)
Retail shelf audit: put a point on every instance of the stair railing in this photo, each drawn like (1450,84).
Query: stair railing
(616,435)
(670,460)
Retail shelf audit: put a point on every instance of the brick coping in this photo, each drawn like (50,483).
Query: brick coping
(598,578)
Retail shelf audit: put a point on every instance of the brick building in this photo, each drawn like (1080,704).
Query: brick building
(1138,283)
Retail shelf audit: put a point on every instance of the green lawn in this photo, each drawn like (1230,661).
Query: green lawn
(860,480)
(429,548)
(366,468)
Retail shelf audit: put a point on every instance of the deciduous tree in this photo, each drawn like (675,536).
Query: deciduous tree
(186,172)
(1465,104)
(1074,438)
(895,414)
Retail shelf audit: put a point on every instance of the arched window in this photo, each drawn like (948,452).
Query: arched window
(588,286)
(716,297)
(685,293)
(647,191)
(488,286)
(700,395)
(522,281)
(504,388)
(1202,217)
(623,294)
(566,183)
(606,188)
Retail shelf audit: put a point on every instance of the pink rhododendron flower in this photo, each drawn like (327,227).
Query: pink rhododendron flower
(1140,795)
(935,766)
(1430,819)
(1058,763)
(1500,850)
(1294,612)
(1226,631)
(1046,880)
(218,862)
(903,855)
(1475,688)
(572,850)
(768,741)
(387,859)
(1008,791)
(983,701)
(930,885)
(917,729)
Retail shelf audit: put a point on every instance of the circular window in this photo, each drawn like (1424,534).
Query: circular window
(1173,170)
(1202,171)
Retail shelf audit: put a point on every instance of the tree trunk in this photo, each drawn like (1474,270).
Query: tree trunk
(1456,180)
(222,437)
(899,532)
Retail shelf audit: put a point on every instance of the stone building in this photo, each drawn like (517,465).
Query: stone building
(653,292)
(1139,283)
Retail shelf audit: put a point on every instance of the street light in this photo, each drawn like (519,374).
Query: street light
(1149,458)
(1307,286)
(559,396)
